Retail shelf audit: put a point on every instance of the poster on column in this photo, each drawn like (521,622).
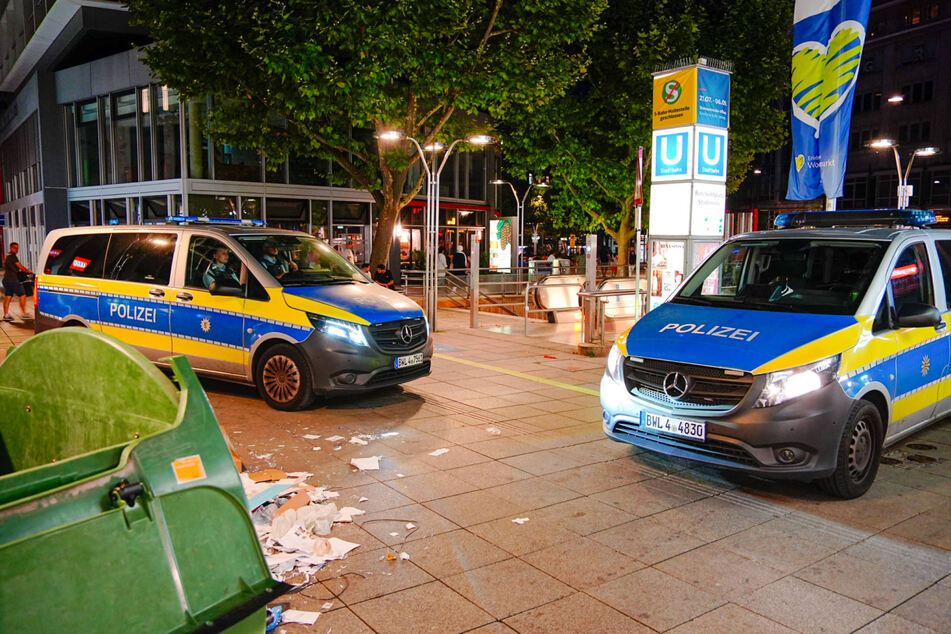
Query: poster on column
(667,269)
(500,244)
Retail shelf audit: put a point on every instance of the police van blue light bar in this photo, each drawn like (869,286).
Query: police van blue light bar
(206,220)
(857,218)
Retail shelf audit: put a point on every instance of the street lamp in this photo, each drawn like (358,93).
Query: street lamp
(904,195)
(433,167)
(520,206)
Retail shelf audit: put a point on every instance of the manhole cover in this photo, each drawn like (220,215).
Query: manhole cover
(920,446)
(890,461)
(917,457)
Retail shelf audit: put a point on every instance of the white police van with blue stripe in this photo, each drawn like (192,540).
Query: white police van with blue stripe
(797,353)
(279,309)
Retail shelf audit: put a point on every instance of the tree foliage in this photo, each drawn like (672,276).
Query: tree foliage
(588,137)
(319,78)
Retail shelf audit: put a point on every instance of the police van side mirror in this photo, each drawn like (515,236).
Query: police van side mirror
(227,291)
(915,315)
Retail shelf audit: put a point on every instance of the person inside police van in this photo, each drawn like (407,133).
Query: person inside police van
(275,263)
(220,273)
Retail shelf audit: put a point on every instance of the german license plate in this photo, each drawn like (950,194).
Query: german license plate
(675,426)
(409,360)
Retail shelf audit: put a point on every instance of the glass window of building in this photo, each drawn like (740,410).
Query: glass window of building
(114,212)
(447,182)
(309,171)
(471,218)
(145,108)
(126,143)
(155,208)
(236,164)
(351,213)
(167,142)
(88,137)
(108,148)
(250,208)
(197,141)
(69,125)
(212,206)
(79,213)
(318,218)
(287,213)
(477,178)
(276,171)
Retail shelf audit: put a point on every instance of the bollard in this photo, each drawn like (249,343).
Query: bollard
(474,284)
(588,311)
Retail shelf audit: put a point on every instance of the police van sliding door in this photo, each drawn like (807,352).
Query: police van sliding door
(944,275)
(134,298)
(208,327)
(922,352)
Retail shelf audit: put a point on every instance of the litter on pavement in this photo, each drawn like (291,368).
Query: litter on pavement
(439,452)
(366,464)
(299,616)
(520,520)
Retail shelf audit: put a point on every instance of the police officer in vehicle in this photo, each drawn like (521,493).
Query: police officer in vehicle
(220,273)
(276,264)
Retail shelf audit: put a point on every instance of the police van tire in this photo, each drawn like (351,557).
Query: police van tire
(860,450)
(283,378)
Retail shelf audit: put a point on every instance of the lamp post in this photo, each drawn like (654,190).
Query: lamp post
(520,206)
(904,196)
(433,167)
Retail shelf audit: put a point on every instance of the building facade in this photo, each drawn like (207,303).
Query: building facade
(89,136)
(903,93)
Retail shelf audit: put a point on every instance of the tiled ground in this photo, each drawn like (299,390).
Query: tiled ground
(616,540)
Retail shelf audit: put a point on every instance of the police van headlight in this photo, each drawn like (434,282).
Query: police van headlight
(788,384)
(338,329)
(615,364)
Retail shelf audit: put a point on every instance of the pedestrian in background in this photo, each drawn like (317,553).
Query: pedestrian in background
(11,282)
(383,277)
(459,260)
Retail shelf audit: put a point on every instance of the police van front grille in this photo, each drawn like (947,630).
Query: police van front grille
(708,386)
(707,448)
(389,336)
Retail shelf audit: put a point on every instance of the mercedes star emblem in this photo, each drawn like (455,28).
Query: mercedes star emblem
(406,334)
(676,385)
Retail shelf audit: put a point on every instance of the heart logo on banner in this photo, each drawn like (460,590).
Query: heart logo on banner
(824,74)
(800,161)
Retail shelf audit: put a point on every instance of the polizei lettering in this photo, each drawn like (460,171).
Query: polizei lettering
(135,313)
(727,332)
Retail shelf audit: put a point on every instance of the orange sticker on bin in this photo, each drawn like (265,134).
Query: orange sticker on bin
(188,469)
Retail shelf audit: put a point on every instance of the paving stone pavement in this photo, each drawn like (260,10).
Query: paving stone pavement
(617,540)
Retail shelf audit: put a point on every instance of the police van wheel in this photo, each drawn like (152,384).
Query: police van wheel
(283,378)
(860,450)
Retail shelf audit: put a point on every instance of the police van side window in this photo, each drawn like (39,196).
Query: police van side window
(944,260)
(79,255)
(211,264)
(141,257)
(910,280)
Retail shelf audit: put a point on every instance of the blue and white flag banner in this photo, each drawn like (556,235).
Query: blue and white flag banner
(828,38)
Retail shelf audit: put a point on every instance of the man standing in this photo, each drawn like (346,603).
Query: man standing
(11,282)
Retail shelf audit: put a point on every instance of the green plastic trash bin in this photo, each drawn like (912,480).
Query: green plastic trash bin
(120,506)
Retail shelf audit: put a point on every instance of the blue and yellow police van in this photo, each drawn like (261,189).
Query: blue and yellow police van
(278,309)
(796,353)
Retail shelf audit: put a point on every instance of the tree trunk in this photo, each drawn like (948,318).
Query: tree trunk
(383,239)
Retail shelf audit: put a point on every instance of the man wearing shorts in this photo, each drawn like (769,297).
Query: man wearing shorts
(11,282)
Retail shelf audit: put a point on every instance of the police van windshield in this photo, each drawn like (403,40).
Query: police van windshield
(827,277)
(300,260)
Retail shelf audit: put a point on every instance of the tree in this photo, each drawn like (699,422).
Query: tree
(319,78)
(588,137)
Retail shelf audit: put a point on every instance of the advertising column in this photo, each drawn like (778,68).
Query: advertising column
(688,173)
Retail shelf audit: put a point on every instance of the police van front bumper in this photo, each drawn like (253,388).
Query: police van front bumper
(340,366)
(797,439)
